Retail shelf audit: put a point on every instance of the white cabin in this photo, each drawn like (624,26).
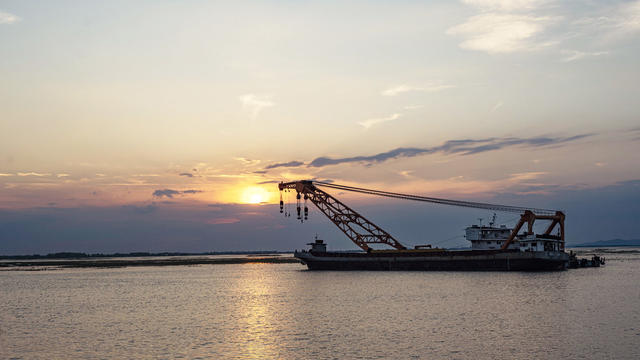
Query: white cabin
(489,237)
(492,238)
(539,243)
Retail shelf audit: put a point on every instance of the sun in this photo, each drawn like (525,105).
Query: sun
(254,195)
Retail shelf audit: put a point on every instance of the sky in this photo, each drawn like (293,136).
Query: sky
(165,125)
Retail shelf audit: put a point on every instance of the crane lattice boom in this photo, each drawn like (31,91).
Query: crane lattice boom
(357,228)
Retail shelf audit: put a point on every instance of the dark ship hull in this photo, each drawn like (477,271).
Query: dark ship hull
(429,260)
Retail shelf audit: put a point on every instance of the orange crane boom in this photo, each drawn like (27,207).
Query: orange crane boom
(357,228)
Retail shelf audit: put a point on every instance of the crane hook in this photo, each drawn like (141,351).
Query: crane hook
(306,209)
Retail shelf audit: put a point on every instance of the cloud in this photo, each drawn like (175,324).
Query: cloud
(502,26)
(169,193)
(393,91)
(406,173)
(628,18)
(503,32)
(191,191)
(268,182)
(147,209)
(461,147)
(186,174)
(526,175)
(7,18)
(220,221)
(255,103)
(399,89)
(323,180)
(634,132)
(371,122)
(247,161)
(166,192)
(506,5)
(610,22)
(4,174)
(573,55)
(286,164)
(32,174)
(225,176)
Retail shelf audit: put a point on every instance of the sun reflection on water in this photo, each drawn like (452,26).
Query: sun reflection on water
(256,314)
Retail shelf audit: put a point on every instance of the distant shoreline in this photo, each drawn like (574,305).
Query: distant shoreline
(601,246)
(115,263)
(80,255)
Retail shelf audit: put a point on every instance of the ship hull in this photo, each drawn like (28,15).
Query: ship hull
(437,261)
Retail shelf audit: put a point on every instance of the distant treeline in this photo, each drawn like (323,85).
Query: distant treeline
(79,255)
(614,243)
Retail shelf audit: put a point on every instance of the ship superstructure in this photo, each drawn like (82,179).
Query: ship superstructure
(494,237)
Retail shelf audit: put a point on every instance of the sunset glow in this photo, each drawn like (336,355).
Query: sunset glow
(149,107)
(255,195)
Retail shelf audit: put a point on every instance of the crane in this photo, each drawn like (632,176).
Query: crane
(364,232)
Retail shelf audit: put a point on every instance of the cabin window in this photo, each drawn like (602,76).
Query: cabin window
(534,244)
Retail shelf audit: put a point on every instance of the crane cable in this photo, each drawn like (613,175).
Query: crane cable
(470,204)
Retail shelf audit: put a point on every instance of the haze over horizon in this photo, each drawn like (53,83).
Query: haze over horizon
(165,126)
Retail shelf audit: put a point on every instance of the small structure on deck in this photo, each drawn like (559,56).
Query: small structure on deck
(318,245)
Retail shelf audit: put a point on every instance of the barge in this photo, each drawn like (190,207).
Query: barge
(493,248)
(526,255)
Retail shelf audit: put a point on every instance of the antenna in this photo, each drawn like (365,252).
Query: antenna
(493,220)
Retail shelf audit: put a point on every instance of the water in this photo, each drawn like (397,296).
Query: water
(283,311)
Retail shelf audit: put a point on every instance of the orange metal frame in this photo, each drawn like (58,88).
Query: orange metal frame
(529,218)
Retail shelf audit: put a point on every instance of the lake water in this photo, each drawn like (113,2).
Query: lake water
(284,311)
